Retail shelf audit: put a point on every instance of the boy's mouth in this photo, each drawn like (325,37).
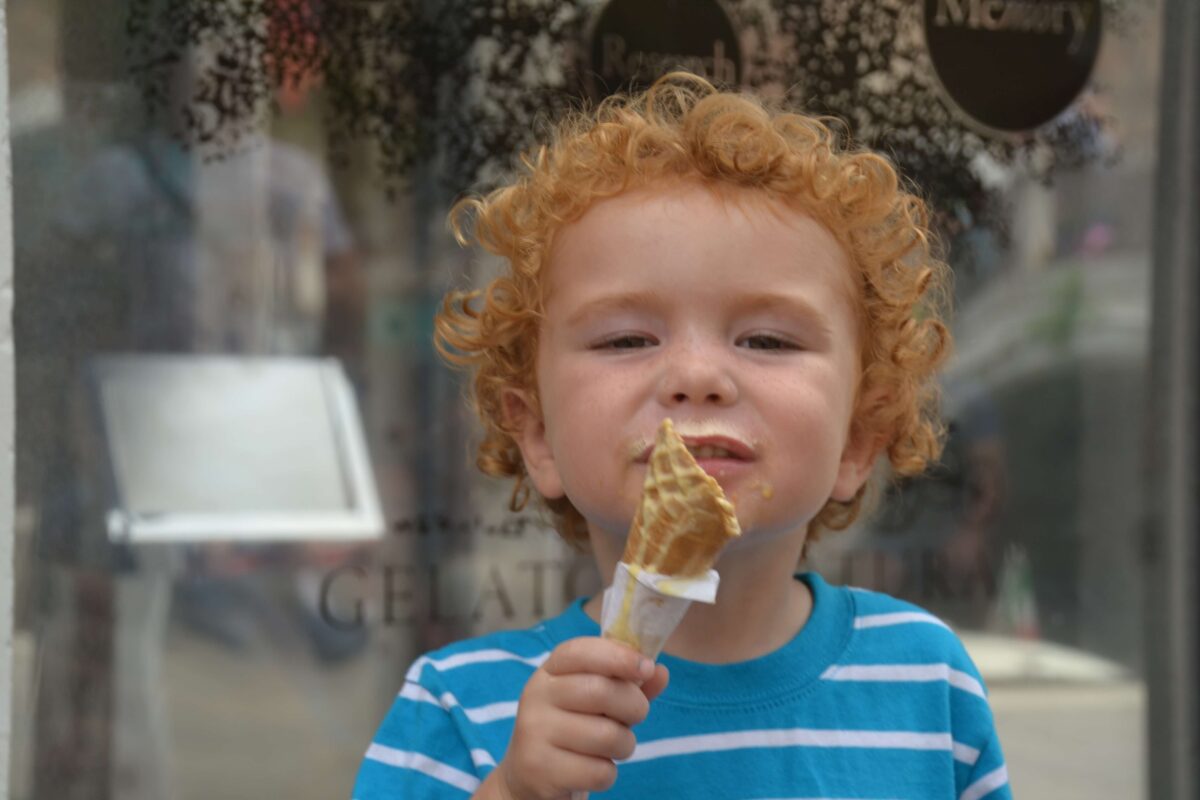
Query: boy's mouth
(710,447)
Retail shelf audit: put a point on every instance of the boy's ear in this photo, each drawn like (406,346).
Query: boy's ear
(857,461)
(520,414)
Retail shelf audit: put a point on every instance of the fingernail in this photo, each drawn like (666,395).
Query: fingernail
(645,668)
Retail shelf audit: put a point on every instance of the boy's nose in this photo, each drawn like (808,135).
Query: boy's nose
(697,375)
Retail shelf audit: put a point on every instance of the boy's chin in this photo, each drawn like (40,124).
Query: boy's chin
(610,532)
(757,532)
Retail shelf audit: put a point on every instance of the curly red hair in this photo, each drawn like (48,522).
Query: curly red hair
(684,128)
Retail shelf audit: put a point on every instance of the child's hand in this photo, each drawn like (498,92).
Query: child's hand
(574,719)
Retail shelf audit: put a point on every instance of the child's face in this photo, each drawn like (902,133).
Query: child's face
(693,345)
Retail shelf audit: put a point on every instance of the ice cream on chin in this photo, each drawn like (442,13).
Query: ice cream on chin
(682,523)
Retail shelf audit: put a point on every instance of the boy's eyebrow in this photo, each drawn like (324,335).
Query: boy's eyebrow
(757,301)
(767,301)
(616,302)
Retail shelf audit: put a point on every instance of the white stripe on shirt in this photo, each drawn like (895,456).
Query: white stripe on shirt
(475,657)
(492,712)
(482,758)
(803,736)
(966,754)
(478,715)
(415,691)
(789,737)
(988,783)
(406,759)
(905,673)
(897,618)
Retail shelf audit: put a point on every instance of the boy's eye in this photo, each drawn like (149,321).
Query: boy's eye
(770,342)
(622,343)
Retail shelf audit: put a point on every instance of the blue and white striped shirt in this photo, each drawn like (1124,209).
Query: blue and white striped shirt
(873,698)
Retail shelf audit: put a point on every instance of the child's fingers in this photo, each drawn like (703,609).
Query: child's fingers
(554,772)
(654,687)
(591,735)
(599,656)
(582,773)
(598,694)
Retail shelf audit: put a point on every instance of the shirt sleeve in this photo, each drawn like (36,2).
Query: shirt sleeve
(118,176)
(335,232)
(982,774)
(988,778)
(418,751)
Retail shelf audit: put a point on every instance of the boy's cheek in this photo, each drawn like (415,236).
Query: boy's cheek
(607,499)
(546,480)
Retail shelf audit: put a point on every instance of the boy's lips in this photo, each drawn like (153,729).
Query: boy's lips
(738,450)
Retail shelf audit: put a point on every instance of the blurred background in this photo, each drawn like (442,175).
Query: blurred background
(246,493)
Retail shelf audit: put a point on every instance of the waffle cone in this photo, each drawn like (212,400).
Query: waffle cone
(684,518)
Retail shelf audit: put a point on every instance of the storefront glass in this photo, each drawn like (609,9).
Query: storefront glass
(247,497)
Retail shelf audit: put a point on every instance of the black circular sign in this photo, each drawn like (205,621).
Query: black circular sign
(633,42)
(1013,65)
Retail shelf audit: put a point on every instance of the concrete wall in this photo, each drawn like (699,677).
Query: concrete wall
(7,417)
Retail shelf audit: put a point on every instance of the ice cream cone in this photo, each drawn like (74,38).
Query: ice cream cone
(684,518)
(682,523)
(679,529)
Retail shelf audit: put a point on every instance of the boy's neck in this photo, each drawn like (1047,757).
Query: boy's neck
(760,605)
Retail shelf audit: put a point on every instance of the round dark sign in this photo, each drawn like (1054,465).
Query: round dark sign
(633,42)
(1012,65)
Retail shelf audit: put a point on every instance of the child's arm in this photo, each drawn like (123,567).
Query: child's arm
(573,720)
(988,778)
(974,729)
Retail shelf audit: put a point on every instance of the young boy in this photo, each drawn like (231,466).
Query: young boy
(687,253)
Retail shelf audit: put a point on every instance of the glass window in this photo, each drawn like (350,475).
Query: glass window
(221,580)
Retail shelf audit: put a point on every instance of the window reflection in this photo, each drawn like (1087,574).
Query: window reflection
(237,668)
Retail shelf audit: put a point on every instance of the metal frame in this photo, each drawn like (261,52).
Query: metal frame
(1172,612)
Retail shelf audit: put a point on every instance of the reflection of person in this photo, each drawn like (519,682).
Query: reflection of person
(969,552)
(231,256)
(936,540)
(688,254)
(247,254)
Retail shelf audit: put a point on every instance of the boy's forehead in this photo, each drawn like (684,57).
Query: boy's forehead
(608,220)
